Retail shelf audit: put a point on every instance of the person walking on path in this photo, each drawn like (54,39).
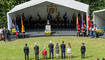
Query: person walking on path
(26,52)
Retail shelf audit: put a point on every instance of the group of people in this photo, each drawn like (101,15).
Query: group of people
(56,22)
(5,34)
(51,51)
(92,31)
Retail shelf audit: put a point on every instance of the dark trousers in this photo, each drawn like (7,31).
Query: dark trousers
(62,54)
(26,57)
(36,56)
(82,55)
(51,52)
(9,37)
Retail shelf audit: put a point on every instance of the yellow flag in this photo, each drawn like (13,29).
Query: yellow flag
(22,25)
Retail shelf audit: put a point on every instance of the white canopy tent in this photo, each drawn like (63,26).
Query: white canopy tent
(99,18)
(35,6)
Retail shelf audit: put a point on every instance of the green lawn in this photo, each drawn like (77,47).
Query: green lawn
(95,47)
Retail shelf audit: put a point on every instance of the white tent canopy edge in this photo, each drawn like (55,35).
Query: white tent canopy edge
(99,18)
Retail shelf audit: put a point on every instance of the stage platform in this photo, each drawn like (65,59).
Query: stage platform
(55,32)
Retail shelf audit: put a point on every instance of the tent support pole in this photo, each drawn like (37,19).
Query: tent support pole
(87,22)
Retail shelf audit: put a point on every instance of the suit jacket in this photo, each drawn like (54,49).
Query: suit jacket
(63,47)
(51,46)
(36,49)
(26,50)
(83,49)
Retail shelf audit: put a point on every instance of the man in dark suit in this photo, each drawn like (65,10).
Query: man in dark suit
(83,50)
(51,46)
(36,49)
(26,52)
(5,34)
(63,46)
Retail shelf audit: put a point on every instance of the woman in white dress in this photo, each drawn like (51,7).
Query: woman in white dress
(69,50)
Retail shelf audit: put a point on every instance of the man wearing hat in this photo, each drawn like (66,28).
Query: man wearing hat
(26,52)
(36,49)
(51,46)
(83,50)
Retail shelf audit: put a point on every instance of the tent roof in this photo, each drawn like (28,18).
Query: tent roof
(100,13)
(68,3)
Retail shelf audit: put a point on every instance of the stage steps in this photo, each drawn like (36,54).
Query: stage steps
(54,33)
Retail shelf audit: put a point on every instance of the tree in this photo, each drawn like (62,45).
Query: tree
(5,6)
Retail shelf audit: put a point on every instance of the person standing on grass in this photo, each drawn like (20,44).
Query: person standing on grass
(51,46)
(69,50)
(63,46)
(5,34)
(103,59)
(57,50)
(8,35)
(36,49)
(97,59)
(83,50)
(44,53)
(26,52)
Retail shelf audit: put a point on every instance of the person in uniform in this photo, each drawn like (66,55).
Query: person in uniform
(63,46)
(26,52)
(51,46)
(36,49)
(83,50)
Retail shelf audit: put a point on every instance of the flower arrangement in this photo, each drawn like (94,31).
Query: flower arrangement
(99,32)
(47,32)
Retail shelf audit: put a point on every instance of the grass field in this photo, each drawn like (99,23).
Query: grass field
(13,50)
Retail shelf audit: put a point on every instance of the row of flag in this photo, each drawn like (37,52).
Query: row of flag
(88,24)
(77,25)
(22,26)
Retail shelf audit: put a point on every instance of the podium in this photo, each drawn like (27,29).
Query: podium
(47,30)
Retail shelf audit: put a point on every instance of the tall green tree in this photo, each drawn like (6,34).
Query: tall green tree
(94,4)
(5,6)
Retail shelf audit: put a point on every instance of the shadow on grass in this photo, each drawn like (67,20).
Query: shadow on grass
(88,56)
(32,59)
(61,58)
